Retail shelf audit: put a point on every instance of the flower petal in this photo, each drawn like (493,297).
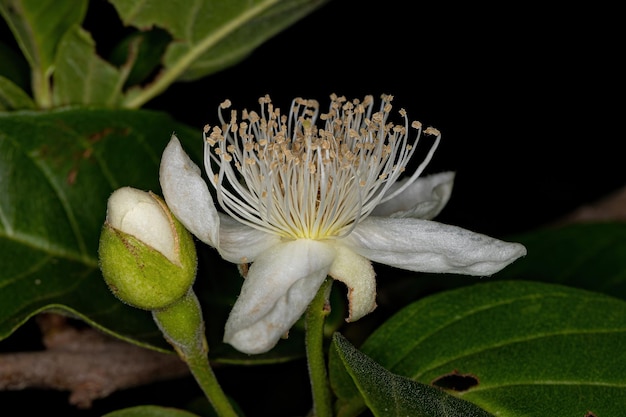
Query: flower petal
(279,287)
(423,199)
(240,243)
(358,274)
(428,246)
(186,193)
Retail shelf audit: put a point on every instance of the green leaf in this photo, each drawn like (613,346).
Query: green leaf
(389,395)
(38,27)
(14,67)
(57,170)
(150,411)
(81,76)
(143,50)
(349,401)
(13,97)
(514,348)
(590,256)
(210,35)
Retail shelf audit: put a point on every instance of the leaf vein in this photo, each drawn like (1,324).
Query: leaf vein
(516,341)
(485,388)
(45,169)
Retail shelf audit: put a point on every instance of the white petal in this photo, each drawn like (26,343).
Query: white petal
(186,193)
(424,199)
(428,246)
(358,274)
(279,287)
(240,243)
(138,213)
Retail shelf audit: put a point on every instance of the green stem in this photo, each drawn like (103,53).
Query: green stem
(41,89)
(182,325)
(316,358)
(205,377)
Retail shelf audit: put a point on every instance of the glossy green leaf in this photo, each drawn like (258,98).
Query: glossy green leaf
(150,411)
(590,256)
(210,35)
(390,395)
(13,97)
(81,76)
(514,348)
(38,27)
(57,170)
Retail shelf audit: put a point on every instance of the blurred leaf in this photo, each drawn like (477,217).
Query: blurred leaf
(57,170)
(148,46)
(14,67)
(514,348)
(209,36)
(590,256)
(150,411)
(389,395)
(13,97)
(38,27)
(81,76)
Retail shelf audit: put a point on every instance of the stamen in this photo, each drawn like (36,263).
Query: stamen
(285,175)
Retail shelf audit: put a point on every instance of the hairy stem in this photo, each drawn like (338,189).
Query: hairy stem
(205,377)
(182,325)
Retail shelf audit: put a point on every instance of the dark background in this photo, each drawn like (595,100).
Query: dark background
(527,98)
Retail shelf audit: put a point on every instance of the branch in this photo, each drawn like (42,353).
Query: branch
(610,208)
(85,362)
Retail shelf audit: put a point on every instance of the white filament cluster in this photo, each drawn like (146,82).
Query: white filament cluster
(285,175)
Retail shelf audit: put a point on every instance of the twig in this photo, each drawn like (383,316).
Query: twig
(85,362)
(610,208)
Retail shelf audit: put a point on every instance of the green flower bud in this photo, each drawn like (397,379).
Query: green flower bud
(147,257)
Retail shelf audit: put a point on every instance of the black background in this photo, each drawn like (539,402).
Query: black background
(528,100)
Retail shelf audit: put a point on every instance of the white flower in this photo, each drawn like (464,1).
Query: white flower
(304,202)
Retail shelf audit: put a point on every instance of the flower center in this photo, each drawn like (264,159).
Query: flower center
(284,175)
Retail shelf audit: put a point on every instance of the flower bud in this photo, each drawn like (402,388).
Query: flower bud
(147,257)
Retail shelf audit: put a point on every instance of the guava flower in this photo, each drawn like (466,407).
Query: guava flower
(302,202)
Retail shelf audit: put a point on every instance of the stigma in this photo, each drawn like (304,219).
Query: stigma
(285,175)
